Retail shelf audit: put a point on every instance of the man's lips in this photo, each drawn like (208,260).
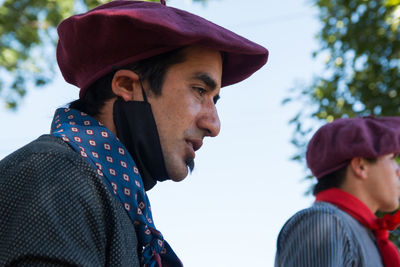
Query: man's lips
(196,143)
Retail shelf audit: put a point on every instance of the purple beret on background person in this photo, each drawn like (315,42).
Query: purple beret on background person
(149,78)
(335,144)
(354,160)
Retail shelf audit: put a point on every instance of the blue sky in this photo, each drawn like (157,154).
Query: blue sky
(230,210)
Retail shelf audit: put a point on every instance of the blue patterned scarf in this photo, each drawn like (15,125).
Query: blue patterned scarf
(108,156)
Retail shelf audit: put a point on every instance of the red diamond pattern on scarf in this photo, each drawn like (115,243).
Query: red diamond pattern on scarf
(101,149)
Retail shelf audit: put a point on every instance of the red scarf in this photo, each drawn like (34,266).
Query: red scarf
(379,226)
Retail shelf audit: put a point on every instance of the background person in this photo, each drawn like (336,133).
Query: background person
(354,162)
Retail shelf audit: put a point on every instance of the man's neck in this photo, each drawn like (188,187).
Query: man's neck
(357,190)
(106,116)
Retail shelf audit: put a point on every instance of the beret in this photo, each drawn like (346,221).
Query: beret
(336,143)
(121,32)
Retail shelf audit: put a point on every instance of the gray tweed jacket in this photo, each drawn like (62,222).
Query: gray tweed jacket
(56,211)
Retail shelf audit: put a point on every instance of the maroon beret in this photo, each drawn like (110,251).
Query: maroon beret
(336,143)
(121,32)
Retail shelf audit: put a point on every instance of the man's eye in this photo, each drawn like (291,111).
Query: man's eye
(200,90)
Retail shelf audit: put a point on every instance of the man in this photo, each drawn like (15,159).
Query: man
(354,162)
(149,78)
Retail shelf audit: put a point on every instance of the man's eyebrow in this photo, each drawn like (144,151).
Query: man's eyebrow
(205,78)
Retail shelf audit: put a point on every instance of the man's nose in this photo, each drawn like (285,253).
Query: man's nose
(209,120)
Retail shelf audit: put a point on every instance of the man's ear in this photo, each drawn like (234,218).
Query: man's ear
(126,84)
(359,167)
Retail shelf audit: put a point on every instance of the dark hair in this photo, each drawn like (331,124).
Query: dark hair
(334,179)
(150,69)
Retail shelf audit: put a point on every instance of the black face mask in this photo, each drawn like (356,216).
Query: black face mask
(137,130)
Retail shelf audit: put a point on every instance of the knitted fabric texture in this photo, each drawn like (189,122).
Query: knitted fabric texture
(55,210)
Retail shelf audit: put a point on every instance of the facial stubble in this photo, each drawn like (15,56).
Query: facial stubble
(190,164)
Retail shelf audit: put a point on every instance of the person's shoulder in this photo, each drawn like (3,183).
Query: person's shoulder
(47,165)
(316,234)
(321,216)
(46,157)
(45,144)
(318,210)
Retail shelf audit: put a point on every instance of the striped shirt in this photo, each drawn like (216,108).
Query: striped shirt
(325,236)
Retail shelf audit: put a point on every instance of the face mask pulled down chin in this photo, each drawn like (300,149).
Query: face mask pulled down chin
(137,130)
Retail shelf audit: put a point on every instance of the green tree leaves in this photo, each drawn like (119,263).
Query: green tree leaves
(360,42)
(27,40)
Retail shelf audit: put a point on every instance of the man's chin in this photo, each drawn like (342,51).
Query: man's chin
(180,179)
(181,175)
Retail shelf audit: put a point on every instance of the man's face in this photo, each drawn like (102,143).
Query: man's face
(385,182)
(185,111)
